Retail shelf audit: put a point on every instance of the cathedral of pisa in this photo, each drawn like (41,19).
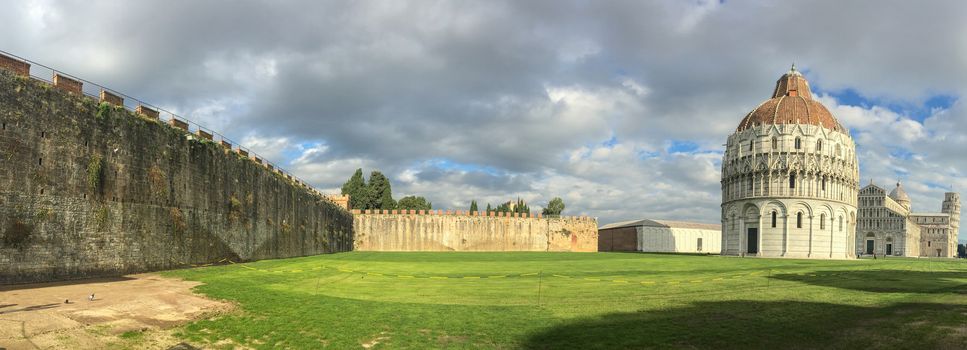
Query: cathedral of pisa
(790,179)
(887,225)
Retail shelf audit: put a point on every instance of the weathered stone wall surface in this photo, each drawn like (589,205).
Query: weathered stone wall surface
(93,190)
(425,232)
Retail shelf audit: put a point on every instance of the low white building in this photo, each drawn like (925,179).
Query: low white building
(661,236)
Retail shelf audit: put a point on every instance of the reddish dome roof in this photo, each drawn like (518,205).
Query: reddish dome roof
(791,103)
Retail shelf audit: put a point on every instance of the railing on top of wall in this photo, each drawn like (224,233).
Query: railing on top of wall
(464,213)
(71,83)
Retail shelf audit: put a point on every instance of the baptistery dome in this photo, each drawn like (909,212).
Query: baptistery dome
(791,103)
(789,179)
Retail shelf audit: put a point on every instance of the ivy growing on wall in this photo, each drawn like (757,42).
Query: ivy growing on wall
(95,172)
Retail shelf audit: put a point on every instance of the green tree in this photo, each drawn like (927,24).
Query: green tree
(357,190)
(554,207)
(414,202)
(521,207)
(380,193)
(489,209)
(473,205)
(503,208)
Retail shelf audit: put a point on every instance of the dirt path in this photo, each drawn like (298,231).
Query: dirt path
(35,316)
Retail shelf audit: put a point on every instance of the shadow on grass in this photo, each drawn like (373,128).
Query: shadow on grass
(756,325)
(885,281)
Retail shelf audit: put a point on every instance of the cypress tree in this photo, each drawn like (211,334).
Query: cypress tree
(473,205)
(356,188)
(380,192)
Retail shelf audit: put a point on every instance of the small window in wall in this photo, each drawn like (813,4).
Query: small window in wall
(819,146)
(774,214)
(699,244)
(751,145)
(775,143)
(798,143)
(822,221)
(928,243)
(824,184)
(799,220)
(792,181)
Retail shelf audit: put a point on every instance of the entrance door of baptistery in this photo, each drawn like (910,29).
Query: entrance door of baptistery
(753,241)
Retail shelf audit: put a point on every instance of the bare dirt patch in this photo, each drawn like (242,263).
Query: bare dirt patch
(35,316)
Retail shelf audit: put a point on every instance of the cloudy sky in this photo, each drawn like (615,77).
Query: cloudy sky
(620,108)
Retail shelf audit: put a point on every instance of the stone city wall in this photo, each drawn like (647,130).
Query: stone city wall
(438,230)
(92,189)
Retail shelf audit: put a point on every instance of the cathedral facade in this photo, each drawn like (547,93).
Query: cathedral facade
(790,179)
(888,227)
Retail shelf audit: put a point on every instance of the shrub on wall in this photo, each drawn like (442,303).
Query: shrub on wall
(95,172)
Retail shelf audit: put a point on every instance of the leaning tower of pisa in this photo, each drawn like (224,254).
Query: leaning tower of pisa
(951,205)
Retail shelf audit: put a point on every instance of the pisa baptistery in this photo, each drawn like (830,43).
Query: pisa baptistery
(790,179)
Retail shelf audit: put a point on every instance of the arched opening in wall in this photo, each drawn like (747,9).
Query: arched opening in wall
(870,239)
(798,143)
(751,145)
(4,126)
(889,246)
(799,220)
(822,221)
(775,143)
(824,183)
(819,146)
(792,180)
(774,215)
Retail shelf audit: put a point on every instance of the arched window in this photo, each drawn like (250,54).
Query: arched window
(774,214)
(822,221)
(799,220)
(751,145)
(824,183)
(792,181)
(840,223)
(819,146)
(798,143)
(775,143)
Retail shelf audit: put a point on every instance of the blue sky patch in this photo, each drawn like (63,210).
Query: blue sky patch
(681,146)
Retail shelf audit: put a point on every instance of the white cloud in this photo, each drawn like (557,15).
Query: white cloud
(533,99)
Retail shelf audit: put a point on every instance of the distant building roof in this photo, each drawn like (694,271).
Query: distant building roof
(662,223)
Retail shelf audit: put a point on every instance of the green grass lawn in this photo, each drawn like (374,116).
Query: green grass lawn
(583,300)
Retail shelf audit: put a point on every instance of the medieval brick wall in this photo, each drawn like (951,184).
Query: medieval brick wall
(436,231)
(94,190)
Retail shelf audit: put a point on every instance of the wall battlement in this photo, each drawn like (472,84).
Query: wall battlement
(90,188)
(459,212)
